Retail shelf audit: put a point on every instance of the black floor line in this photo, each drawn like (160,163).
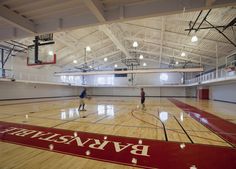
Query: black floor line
(164,127)
(101,119)
(68,121)
(183,130)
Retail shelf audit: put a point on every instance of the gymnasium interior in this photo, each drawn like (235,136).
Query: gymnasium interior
(156,80)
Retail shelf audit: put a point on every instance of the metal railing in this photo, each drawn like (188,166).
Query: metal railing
(221,74)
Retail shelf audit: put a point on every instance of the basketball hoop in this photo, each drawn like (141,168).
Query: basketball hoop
(230,62)
(46,37)
(39,62)
(42,53)
(131,62)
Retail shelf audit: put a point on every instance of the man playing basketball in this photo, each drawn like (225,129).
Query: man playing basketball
(82,96)
(142,98)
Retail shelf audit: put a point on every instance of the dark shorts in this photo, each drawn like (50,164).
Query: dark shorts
(142,100)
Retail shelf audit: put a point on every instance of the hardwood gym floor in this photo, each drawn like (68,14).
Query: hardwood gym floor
(171,121)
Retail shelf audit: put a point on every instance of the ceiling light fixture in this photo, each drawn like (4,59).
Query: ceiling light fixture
(135,44)
(141,57)
(115,65)
(50,53)
(88,49)
(194,39)
(183,54)
(176,62)
(144,64)
(105,59)
(75,61)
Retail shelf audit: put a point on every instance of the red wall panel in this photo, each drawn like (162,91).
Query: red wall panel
(203,93)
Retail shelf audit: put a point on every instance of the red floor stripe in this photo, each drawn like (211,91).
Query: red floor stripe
(221,127)
(120,150)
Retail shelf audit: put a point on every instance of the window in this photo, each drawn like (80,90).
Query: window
(105,80)
(71,79)
(63,78)
(163,77)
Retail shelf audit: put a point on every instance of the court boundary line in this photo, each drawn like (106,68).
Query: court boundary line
(199,121)
(183,129)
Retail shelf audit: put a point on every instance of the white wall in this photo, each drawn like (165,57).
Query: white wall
(173,91)
(139,79)
(191,91)
(16,90)
(223,92)
(122,91)
(135,91)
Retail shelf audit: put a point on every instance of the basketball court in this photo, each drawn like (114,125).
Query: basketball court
(182,54)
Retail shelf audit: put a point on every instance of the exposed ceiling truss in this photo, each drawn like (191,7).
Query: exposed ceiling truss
(30,17)
(160,38)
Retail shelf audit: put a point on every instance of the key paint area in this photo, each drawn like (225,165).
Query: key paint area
(136,152)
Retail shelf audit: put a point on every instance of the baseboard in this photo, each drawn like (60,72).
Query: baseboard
(225,101)
(30,98)
(34,98)
(139,96)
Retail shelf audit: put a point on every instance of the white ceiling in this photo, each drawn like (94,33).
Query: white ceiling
(161,38)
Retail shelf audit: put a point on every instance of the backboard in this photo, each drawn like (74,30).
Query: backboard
(46,55)
(230,63)
(41,53)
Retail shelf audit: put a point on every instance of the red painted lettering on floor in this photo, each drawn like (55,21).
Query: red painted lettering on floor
(120,150)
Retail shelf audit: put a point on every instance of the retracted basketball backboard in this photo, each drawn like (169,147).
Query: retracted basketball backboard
(42,51)
(230,63)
